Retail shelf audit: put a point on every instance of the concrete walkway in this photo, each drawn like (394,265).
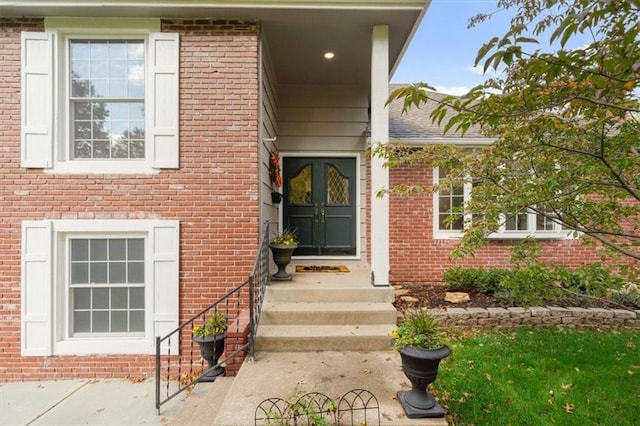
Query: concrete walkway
(67,402)
(290,374)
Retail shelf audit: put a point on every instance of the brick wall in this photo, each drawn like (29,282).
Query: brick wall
(214,194)
(416,257)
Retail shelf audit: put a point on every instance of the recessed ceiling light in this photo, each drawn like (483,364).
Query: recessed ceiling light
(329,55)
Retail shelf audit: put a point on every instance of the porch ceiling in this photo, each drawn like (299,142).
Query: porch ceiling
(297,32)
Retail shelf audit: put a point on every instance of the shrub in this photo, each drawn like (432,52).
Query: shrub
(470,279)
(528,286)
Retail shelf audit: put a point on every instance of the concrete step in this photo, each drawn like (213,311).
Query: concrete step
(203,403)
(328,313)
(319,293)
(325,337)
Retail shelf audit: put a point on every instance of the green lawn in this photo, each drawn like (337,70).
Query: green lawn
(542,377)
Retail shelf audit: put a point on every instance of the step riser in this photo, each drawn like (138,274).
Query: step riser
(295,295)
(328,317)
(342,343)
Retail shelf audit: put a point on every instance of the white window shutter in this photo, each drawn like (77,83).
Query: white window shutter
(37,100)
(36,288)
(162,104)
(165,241)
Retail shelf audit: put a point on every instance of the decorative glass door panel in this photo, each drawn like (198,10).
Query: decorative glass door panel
(320,204)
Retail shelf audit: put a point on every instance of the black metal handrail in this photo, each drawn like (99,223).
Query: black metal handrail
(183,369)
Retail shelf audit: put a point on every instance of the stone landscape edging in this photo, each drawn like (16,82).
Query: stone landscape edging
(505,318)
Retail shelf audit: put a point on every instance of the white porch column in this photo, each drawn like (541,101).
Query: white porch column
(379,226)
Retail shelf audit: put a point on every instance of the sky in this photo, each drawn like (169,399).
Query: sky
(443,49)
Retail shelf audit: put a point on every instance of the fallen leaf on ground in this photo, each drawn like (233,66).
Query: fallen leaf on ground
(566,386)
(568,408)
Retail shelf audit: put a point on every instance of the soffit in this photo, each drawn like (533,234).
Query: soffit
(296,33)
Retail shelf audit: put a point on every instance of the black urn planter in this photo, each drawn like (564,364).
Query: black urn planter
(211,349)
(421,368)
(282,257)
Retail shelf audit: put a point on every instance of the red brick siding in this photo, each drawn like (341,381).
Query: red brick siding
(214,193)
(416,257)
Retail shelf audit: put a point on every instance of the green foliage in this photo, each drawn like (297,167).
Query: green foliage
(216,324)
(531,283)
(628,296)
(565,124)
(528,286)
(542,377)
(485,280)
(285,238)
(419,329)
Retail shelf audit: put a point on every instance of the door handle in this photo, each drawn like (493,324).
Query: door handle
(322,213)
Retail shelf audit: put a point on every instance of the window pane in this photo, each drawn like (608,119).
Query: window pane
(516,223)
(80,49)
(98,273)
(79,250)
(117,272)
(79,273)
(98,250)
(136,321)
(300,187)
(100,298)
(82,322)
(118,88)
(100,321)
(117,249)
(99,49)
(119,321)
(337,187)
(81,298)
(136,296)
(117,51)
(119,298)
(136,273)
(135,249)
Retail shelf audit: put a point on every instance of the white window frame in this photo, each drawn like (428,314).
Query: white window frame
(45,286)
(47,130)
(502,234)
(64,289)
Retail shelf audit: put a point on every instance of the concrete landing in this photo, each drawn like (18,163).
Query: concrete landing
(287,374)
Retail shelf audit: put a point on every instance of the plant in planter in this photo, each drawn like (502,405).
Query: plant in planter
(282,248)
(276,176)
(211,337)
(420,341)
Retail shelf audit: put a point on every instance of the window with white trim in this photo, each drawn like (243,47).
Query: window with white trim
(98,286)
(450,216)
(100,99)
(107,98)
(106,286)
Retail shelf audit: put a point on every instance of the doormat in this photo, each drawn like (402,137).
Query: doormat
(321,268)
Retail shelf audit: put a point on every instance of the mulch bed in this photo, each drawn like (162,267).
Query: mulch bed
(430,295)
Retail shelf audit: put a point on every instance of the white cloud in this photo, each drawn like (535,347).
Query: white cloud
(457,91)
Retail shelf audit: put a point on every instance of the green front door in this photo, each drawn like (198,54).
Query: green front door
(320,204)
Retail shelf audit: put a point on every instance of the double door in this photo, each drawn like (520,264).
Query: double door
(320,204)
